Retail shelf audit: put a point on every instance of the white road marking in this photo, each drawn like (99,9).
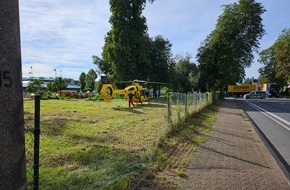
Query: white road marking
(270,115)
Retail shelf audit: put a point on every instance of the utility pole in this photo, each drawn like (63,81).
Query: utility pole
(12,139)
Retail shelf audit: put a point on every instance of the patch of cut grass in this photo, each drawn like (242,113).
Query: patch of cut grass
(93,145)
(98,145)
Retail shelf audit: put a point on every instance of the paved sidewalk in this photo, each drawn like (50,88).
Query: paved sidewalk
(234,157)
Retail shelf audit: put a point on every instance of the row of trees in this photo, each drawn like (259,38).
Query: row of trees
(228,50)
(276,60)
(37,85)
(130,53)
(87,80)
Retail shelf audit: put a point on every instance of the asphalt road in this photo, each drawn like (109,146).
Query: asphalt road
(272,117)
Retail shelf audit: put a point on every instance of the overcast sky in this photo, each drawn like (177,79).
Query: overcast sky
(63,35)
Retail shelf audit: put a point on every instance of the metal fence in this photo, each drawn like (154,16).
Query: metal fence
(29,138)
(32,134)
(181,104)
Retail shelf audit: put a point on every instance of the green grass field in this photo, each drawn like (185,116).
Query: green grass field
(97,145)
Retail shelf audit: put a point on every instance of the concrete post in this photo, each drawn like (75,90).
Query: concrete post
(12,142)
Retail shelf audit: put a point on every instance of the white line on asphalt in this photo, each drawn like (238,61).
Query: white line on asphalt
(272,116)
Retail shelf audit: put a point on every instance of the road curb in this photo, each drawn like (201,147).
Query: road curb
(282,163)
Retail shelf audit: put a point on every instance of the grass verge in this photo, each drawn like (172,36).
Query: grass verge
(97,145)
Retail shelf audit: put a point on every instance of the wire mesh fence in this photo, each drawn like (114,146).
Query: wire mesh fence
(32,133)
(181,104)
(29,149)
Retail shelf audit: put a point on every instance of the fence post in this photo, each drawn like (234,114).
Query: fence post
(185,107)
(36,141)
(168,108)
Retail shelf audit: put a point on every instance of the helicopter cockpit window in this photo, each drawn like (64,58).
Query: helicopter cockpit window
(105,80)
(131,89)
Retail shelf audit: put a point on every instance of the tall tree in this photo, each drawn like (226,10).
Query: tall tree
(161,60)
(185,75)
(267,57)
(276,60)
(82,79)
(228,50)
(90,80)
(126,49)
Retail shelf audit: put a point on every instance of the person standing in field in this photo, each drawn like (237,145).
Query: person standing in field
(130,99)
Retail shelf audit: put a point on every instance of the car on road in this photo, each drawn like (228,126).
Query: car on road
(256,95)
(273,93)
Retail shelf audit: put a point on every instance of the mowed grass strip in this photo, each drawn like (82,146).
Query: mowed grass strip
(94,145)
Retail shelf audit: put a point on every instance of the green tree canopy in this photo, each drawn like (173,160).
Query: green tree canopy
(34,86)
(228,50)
(161,60)
(90,80)
(59,84)
(126,51)
(185,75)
(82,79)
(276,60)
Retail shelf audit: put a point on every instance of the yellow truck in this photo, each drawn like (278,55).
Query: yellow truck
(240,90)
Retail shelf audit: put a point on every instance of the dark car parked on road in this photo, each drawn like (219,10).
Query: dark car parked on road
(273,93)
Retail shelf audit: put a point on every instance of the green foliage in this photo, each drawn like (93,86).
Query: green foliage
(48,95)
(162,64)
(125,53)
(165,89)
(58,85)
(129,53)
(82,79)
(228,50)
(276,60)
(90,80)
(185,75)
(34,86)
(98,86)
(248,81)
(50,87)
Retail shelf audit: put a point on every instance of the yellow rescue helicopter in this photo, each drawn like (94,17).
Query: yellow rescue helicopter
(140,93)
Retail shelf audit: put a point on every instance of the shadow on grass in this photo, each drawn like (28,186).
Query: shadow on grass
(53,127)
(174,150)
(139,107)
(131,110)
